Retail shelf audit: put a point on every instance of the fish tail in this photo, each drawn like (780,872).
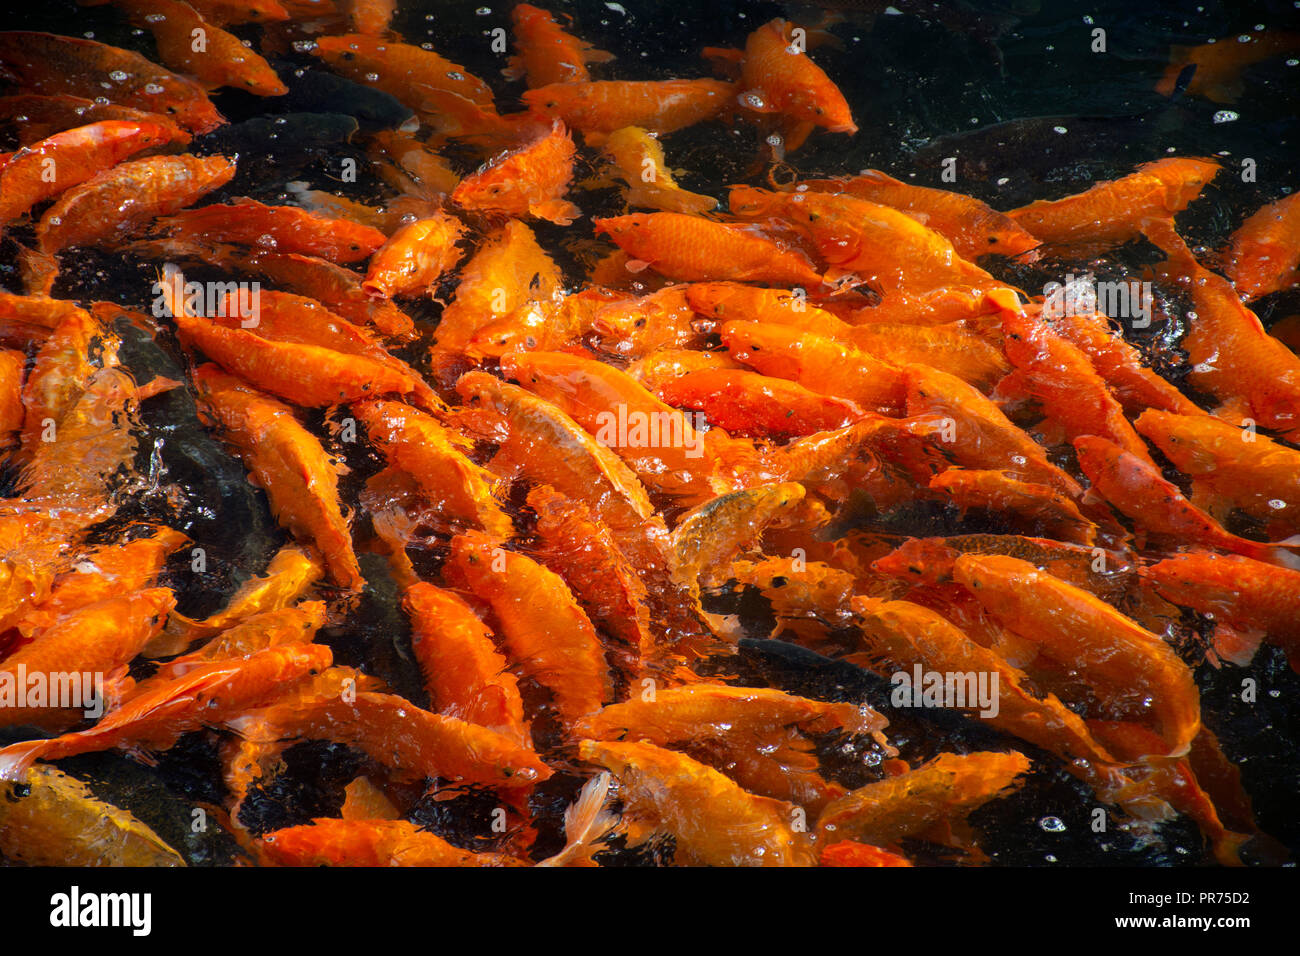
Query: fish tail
(586,823)
(39,270)
(1227,848)
(17,758)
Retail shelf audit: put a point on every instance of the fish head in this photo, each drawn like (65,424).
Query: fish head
(747,202)
(918,560)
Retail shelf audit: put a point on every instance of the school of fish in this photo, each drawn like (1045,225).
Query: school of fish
(574,479)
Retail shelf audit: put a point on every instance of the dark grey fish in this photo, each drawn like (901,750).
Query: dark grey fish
(286,133)
(315,91)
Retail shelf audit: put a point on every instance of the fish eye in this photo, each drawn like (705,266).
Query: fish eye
(349,56)
(992,240)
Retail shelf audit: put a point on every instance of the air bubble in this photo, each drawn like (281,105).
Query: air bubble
(1226,116)
(119,75)
(1052,824)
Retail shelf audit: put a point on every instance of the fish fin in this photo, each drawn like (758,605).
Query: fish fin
(592,55)
(1235,646)
(636,265)
(796,134)
(17,758)
(39,270)
(586,824)
(1227,848)
(514,68)
(559,211)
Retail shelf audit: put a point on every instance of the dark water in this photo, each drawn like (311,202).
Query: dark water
(1014,91)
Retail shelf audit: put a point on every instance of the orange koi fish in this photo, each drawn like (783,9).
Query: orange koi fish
(933,560)
(546,53)
(414,257)
(52,65)
(278,628)
(1131,669)
(909,634)
(284,317)
(949,787)
(415,744)
(284,228)
(656,440)
(984,438)
(300,480)
(714,821)
(304,374)
(530,181)
(1060,378)
(72,158)
(68,359)
(1137,489)
(1229,467)
(949,348)
(509,271)
(12,365)
(329,842)
(636,327)
(577,546)
(223,60)
(1041,507)
(732,301)
(409,165)
(599,108)
(338,289)
(638,160)
(585,470)
(1171,780)
(288,576)
(41,117)
(119,201)
(776,76)
(693,249)
(1112,213)
(1231,356)
(75,473)
(849,853)
(1263,255)
(464,673)
(663,366)
(974,228)
(103,573)
(435,457)
(100,638)
(708,537)
(1120,364)
(1247,599)
(724,727)
(371,17)
(817,363)
(418,78)
(155,720)
(1220,63)
(547,634)
(880,245)
(756,405)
